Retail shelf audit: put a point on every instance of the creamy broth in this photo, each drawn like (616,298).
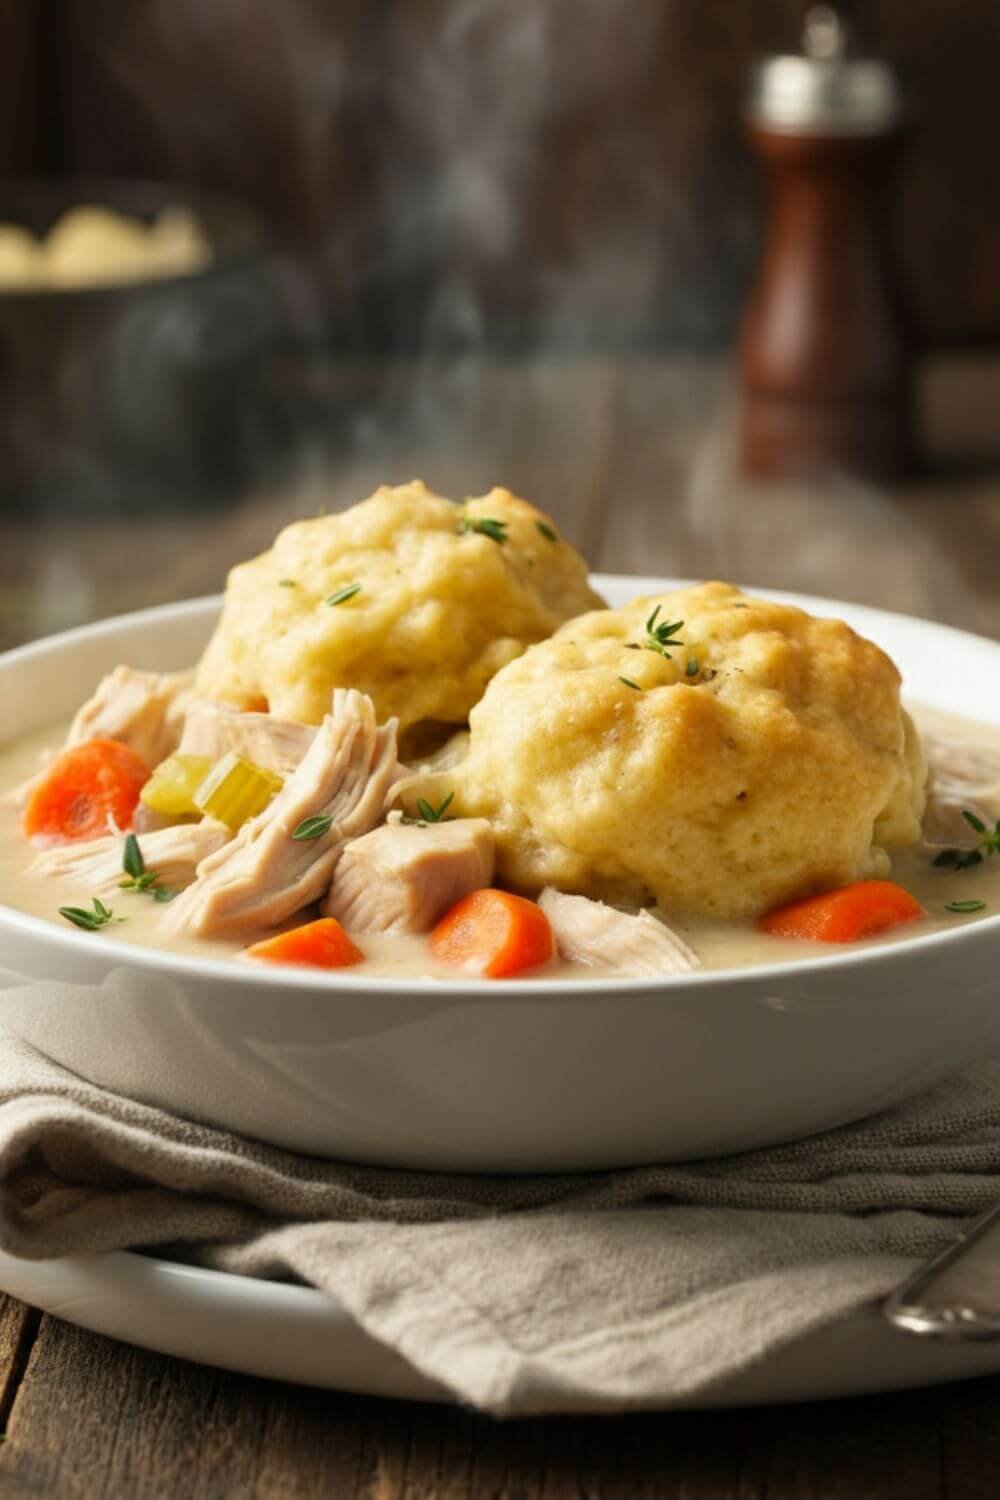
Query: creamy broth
(720,946)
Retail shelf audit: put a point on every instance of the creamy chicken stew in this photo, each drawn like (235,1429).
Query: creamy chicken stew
(717,945)
(419,743)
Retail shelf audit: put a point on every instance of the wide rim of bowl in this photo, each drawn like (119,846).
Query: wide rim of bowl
(228,970)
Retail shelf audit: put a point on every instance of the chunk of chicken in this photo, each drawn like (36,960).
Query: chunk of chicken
(402,877)
(174,854)
(143,710)
(588,932)
(215,729)
(265,875)
(963,775)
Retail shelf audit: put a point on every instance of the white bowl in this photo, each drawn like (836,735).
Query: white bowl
(501,1076)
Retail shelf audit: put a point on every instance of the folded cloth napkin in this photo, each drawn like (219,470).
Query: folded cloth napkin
(598,1291)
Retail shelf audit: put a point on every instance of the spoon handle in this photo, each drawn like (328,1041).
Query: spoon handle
(956,1295)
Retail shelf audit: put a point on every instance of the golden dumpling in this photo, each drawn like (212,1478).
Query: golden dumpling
(765,757)
(433,600)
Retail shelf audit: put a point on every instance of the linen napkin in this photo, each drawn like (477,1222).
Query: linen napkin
(579,1292)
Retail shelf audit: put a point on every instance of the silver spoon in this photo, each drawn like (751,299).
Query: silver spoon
(956,1295)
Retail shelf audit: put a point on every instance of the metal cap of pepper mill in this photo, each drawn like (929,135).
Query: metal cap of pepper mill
(824,91)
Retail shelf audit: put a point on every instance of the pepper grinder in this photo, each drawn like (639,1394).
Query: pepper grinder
(823,360)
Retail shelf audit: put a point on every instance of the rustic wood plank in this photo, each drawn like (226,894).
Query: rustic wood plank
(18,1329)
(968,1422)
(879,1448)
(151,1428)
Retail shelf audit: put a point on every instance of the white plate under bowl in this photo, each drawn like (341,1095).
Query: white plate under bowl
(521,1075)
(297,1334)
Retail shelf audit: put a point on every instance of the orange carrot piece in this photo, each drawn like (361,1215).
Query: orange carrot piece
(493,933)
(321,945)
(845,915)
(85,790)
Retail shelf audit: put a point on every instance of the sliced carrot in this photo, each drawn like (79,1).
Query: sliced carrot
(493,933)
(845,915)
(85,790)
(322,945)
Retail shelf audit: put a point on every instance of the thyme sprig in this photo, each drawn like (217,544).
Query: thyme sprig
(967,859)
(661,637)
(137,878)
(429,814)
(90,921)
(485,525)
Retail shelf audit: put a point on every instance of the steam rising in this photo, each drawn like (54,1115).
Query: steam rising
(455,182)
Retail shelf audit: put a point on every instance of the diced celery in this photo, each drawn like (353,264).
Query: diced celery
(171,788)
(236,790)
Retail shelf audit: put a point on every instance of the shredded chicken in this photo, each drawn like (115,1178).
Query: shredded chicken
(143,710)
(588,932)
(963,775)
(402,877)
(173,854)
(215,729)
(265,875)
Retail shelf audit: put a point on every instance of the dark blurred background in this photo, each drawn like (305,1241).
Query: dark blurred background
(518,172)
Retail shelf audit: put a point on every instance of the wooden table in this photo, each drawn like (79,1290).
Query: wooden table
(634,460)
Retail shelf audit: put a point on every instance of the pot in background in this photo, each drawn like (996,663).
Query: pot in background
(139,393)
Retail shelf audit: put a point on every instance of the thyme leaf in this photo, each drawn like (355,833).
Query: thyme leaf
(629,683)
(313,828)
(546,531)
(89,921)
(287,583)
(485,525)
(965,907)
(132,861)
(342,595)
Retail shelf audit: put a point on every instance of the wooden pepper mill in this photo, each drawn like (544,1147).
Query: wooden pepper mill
(824,366)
